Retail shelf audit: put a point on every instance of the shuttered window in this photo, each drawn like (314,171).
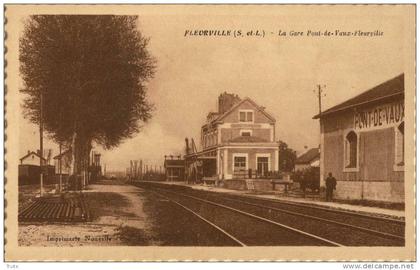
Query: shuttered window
(246,116)
(399,145)
(351,150)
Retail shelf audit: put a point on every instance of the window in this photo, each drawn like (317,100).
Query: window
(242,116)
(399,145)
(239,163)
(351,150)
(246,116)
(246,133)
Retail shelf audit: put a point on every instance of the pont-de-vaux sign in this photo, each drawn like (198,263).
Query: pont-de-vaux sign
(381,116)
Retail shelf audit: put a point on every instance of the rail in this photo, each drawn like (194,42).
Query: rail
(376,232)
(283,226)
(203,219)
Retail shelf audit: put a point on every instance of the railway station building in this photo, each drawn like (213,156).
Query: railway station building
(174,168)
(237,141)
(362,144)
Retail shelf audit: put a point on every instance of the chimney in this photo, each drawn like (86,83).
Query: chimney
(187,148)
(227,101)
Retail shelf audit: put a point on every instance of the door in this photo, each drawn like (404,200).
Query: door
(262,166)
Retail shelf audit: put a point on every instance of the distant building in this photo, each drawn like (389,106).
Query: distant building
(32,158)
(237,140)
(308,159)
(174,168)
(29,169)
(63,160)
(362,144)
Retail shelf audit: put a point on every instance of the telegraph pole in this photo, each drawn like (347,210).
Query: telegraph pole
(320,95)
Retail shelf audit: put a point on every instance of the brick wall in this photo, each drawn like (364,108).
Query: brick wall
(260,185)
(231,133)
(259,117)
(376,191)
(252,155)
(375,178)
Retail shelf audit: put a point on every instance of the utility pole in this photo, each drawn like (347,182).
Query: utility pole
(320,95)
(41,148)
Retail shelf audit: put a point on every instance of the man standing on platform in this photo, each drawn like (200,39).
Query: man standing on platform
(330,183)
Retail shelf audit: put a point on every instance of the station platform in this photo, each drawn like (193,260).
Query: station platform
(377,211)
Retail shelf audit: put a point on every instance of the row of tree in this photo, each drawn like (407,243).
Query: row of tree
(84,80)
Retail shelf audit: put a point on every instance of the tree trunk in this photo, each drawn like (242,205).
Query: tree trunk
(76,167)
(73,165)
(85,161)
(87,158)
(73,169)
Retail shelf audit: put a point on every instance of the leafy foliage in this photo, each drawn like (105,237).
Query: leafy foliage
(92,73)
(307,178)
(287,157)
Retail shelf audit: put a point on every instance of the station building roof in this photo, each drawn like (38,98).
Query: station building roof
(174,163)
(389,89)
(308,156)
(32,153)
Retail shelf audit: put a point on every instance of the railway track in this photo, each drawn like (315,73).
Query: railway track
(384,227)
(244,228)
(383,224)
(234,240)
(338,227)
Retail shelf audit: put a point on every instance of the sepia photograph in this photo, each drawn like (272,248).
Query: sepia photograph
(210,132)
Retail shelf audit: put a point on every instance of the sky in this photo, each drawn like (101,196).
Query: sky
(279,73)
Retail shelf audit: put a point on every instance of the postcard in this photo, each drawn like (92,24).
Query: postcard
(210,132)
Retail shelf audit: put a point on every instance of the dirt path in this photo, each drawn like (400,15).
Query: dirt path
(118,215)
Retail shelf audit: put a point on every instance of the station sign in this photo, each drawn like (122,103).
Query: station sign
(381,116)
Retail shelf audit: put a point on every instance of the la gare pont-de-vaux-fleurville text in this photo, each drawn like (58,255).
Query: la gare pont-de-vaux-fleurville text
(282,33)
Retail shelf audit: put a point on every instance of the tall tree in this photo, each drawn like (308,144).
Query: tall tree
(287,157)
(90,73)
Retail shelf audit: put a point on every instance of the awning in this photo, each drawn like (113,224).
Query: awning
(206,154)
